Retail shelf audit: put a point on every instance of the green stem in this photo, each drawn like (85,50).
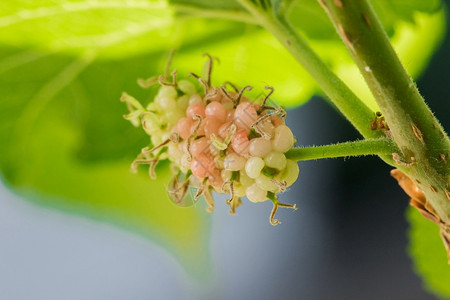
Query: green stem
(381,146)
(413,126)
(338,92)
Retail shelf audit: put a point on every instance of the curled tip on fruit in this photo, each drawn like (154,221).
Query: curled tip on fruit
(277,204)
(146,83)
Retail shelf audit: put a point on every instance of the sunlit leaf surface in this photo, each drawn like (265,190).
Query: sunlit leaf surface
(428,253)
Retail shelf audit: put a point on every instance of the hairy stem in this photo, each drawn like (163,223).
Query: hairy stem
(414,128)
(381,146)
(338,92)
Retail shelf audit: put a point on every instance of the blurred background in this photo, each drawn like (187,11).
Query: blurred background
(347,240)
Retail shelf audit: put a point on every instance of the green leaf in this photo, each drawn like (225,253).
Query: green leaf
(310,17)
(428,253)
(307,12)
(392,10)
(410,24)
(248,59)
(116,27)
(65,145)
(231,5)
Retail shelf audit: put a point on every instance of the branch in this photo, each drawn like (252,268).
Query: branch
(413,126)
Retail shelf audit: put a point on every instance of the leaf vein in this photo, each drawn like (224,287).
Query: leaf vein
(48,11)
(34,107)
(18,59)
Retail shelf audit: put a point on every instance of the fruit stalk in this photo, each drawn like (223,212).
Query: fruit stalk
(382,146)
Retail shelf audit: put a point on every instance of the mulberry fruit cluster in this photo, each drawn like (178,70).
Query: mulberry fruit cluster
(217,140)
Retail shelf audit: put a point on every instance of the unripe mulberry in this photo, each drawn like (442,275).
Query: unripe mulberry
(216,140)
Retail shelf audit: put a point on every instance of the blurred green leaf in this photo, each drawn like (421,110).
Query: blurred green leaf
(231,5)
(412,25)
(65,145)
(428,254)
(309,16)
(392,10)
(118,28)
